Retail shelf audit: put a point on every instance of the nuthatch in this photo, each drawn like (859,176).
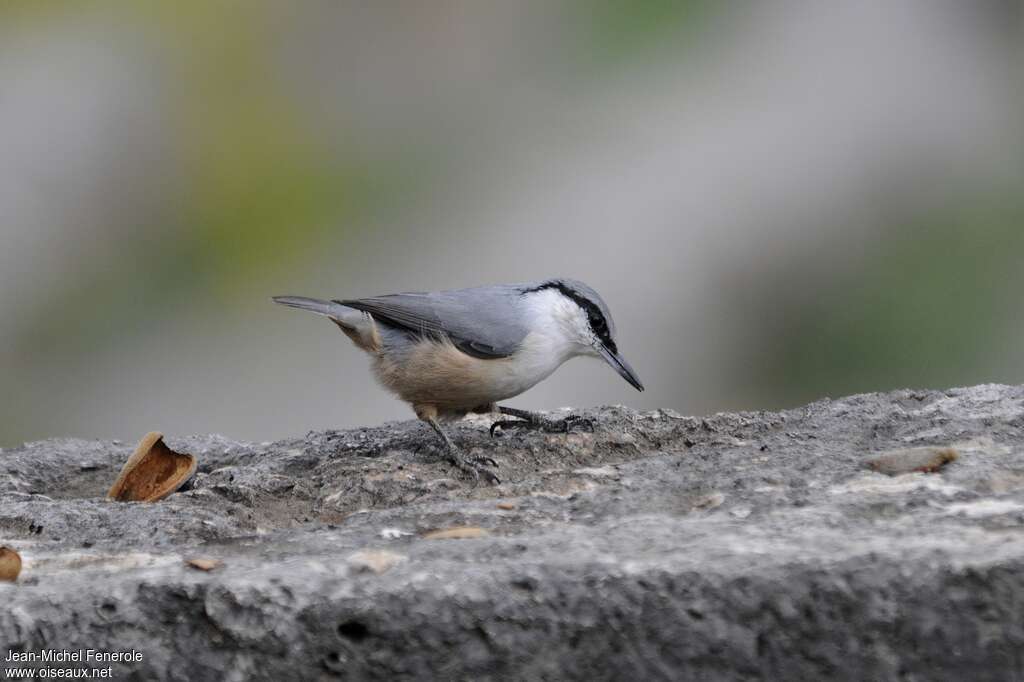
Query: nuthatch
(449,353)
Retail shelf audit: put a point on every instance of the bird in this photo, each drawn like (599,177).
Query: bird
(460,351)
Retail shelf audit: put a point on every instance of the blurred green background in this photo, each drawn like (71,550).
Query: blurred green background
(780,200)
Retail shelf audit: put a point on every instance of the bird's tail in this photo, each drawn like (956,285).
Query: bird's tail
(316,305)
(357,325)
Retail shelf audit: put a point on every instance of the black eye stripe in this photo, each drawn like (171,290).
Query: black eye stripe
(598,324)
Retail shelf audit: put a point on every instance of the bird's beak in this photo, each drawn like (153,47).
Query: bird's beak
(620,365)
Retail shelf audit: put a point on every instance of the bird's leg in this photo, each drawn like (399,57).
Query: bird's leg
(475,466)
(536,421)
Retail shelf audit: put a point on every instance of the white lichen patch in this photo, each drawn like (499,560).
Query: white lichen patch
(393,533)
(598,472)
(78,561)
(880,484)
(983,508)
(982,444)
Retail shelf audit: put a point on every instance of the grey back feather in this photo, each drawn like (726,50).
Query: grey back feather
(485,322)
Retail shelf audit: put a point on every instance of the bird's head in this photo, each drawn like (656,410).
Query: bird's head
(584,319)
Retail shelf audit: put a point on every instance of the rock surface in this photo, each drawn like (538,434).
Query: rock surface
(735,546)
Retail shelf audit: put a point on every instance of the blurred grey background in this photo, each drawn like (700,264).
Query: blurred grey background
(779,200)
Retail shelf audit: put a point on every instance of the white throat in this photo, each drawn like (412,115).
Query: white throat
(552,315)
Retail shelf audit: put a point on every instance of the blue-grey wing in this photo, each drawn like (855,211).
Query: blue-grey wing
(484,322)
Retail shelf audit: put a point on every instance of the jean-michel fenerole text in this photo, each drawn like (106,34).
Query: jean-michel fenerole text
(73,656)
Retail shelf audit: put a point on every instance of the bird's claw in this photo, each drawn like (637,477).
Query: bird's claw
(478,471)
(564,425)
(507,424)
(476,467)
(482,460)
(583,423)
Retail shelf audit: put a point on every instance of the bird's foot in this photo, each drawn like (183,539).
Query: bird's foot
(474,466)
(538,422)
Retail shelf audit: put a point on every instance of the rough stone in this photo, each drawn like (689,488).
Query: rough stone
(735,546)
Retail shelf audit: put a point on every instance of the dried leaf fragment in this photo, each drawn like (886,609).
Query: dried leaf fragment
(204,564)
(457,533)
(10,564)
(926,459)
(153,472)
